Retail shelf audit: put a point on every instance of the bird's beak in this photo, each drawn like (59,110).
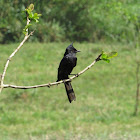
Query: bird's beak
(78,51)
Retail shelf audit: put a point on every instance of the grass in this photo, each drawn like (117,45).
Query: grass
(105,95)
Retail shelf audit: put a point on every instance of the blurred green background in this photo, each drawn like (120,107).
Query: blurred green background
(72,20)
(105,93)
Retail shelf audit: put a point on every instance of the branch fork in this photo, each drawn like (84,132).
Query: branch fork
(10,57)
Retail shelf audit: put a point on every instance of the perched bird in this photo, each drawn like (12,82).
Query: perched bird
(66,66)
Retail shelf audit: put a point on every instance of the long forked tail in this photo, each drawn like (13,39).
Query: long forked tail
(70,92)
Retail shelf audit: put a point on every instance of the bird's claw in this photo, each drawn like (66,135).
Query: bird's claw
(49,85)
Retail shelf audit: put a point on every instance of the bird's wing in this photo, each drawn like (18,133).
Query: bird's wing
(75,61)
(72,60)
(63,68)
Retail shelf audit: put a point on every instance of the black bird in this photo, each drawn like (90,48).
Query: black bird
(66,66)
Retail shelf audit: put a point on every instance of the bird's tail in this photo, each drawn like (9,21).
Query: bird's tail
(70,92)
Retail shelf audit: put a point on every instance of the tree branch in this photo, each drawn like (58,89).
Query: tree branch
(10,57)
(137,91)
(54,83)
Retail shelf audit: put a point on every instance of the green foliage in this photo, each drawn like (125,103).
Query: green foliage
(74,20)
(116,20)
(106,56)
(26,27)
(30,8)
(32,17)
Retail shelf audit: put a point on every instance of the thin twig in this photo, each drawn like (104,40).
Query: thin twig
(10,57)
(137,91)
(54,83)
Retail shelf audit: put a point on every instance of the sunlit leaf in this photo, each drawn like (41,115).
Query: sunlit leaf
(26,27)
(106,56)
(31,7)
(34,17)
(106,60)
(112,54)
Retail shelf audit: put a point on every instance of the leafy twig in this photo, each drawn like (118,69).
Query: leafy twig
(29,18)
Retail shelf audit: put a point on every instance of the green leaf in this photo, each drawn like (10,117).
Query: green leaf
(31,7)
(28,11)
(112,54)
(26,27)
(30,14)
(24,32)
(34,17)
(106,60)
(106,56)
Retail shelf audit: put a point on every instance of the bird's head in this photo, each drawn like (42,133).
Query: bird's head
(70,49)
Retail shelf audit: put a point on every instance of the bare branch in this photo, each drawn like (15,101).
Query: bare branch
(54,83)
(10,57)
(138,89)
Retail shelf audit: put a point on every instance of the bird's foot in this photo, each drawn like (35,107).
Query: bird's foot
(49,85)
(77,75)
(64,81)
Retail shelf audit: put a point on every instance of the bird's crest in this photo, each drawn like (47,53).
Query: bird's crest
(71,44)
